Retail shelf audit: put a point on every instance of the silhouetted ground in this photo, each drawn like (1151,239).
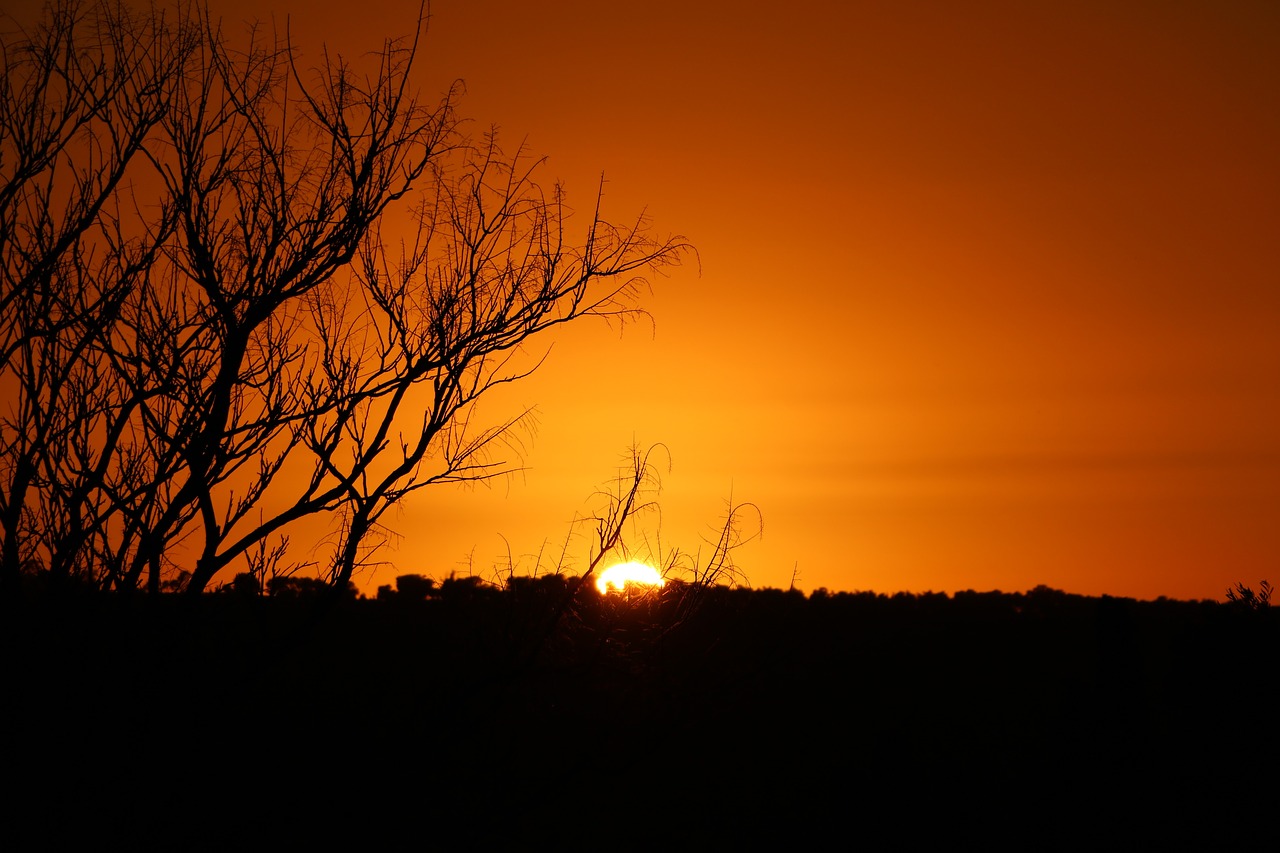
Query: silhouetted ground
(1026,721)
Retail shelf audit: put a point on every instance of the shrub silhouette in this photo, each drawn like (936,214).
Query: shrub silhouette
(1244,596)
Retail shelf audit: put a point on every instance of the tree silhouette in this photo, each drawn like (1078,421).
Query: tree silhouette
(80,95)
(240,292)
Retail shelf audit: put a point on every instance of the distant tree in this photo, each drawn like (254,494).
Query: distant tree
(415,587)
(204,287)
(246,584)
(305,588)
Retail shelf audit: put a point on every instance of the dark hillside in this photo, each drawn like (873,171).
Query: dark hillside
(472,713)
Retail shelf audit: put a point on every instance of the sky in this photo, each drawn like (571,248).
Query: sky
(986,294)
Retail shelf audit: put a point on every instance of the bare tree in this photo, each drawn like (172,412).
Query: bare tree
(329,275)
(620,527)
(490,269)
(633,495)
(277,180)
(82,90)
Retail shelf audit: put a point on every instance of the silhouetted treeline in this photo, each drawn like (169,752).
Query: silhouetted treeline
(493,714)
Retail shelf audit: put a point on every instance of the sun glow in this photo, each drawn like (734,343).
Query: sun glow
(618,577)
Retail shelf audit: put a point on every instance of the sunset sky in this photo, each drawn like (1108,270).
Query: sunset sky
(987,295)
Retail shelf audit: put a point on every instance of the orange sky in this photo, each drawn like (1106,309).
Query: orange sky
(989,291)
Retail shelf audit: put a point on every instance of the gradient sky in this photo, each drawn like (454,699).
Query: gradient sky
(988,293)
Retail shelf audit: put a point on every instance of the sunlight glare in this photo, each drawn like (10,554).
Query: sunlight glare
(622,574)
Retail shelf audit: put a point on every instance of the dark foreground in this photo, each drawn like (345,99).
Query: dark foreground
(477,720)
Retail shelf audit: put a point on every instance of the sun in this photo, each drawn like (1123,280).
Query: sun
(619,576)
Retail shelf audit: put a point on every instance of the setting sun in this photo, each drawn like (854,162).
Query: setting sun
(621,575)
